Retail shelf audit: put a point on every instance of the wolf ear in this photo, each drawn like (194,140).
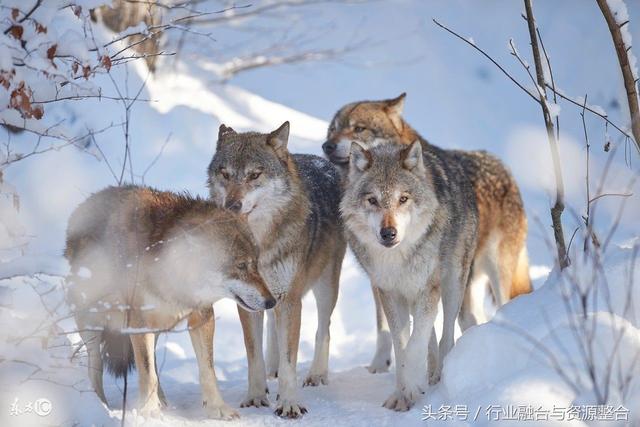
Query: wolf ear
(224,131)
(394,108)
(278,139)
(411,157)
(360,158)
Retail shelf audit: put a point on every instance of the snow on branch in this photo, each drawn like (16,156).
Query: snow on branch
(617,17)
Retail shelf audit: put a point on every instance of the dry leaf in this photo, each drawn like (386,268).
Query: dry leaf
(16,31)
(106,62)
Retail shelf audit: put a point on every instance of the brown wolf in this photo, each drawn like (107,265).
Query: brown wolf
(141,261)
(502,229)
(291,202)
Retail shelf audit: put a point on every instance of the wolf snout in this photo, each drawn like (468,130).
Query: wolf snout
(269,303)
(388,236)
(233,205)
(329,148)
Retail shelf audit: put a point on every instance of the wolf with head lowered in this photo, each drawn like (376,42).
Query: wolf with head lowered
(500,255)
(141,261)
(291,202)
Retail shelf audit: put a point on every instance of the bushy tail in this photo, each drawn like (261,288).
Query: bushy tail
(117,353)
(521,282)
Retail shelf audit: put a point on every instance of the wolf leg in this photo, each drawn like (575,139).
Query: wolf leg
(412,375)
(288,327)
(272,345)
(91,341)
(382,359)
(143,352)
(497,278)
(467,317)
(397,311)
(252,326)
(432,360)
(201,328)
(326,295)
(161,395)
(454,281)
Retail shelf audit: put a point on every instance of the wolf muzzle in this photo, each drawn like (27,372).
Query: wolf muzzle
(233,205)
(388,236)
(329,148)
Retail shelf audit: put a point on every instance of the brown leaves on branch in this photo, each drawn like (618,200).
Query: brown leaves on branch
(16,31)
(21,98)
(5,78)
(51,52)
(106,62)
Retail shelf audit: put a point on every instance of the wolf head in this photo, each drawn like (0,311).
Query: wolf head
(249,172)
(217,257)
(389,192)
(366,122)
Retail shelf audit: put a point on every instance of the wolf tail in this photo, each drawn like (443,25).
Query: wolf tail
(117,353)
(521,282)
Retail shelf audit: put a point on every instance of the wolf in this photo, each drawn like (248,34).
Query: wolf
(501,253)
(411,220)
(141,261)
(291,202)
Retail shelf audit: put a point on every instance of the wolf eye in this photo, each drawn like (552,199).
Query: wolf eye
(241,266)
(372,201)
(255,175)
(359,129)
(403,200)
(224,174)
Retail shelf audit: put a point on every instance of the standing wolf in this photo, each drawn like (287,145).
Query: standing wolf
(411,221)
(141,261)
(501,252)
(291,202)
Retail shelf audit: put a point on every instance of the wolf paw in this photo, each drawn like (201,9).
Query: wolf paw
(398,402)
(289,409)
(150,407)
(257,401)
(434,378)
(315,380)
(380,364)
(221,412)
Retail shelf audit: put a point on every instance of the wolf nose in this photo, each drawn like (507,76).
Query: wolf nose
(328,147)
(270,303)
(234,205)
(388,234)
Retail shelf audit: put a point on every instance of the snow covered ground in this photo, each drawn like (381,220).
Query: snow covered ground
(505,362)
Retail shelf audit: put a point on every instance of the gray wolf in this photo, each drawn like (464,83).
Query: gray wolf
(411,220)
(291,202)
(501,253)
(141,261)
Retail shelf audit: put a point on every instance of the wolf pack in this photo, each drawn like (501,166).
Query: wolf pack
(426,224)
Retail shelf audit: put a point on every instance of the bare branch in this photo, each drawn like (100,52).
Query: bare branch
(625,67)
(558,207)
